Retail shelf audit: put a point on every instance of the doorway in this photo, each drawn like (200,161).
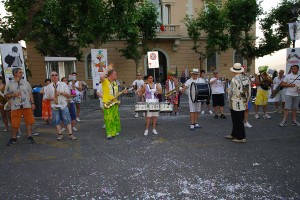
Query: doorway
(160,74)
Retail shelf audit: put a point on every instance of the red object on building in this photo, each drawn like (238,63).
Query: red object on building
(162,28)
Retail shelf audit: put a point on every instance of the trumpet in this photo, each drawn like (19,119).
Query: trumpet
(171,92)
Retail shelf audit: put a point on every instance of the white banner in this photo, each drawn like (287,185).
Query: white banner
(99,63)
(294,30)
(292,58)
(12,57)
(153,59)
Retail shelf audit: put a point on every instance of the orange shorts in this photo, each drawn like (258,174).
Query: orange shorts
(16,116)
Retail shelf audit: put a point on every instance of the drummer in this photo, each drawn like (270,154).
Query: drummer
(137,85)
(195,108)
(151,90)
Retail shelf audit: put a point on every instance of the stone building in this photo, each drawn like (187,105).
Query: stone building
(172,43)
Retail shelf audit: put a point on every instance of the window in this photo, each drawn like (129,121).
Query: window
(166,11)
(238,58)
(64,66)
(88,66)
(211,63)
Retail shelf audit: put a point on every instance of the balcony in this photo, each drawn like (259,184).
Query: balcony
(169,31)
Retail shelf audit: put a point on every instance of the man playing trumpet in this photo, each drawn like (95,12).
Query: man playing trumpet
(172,91)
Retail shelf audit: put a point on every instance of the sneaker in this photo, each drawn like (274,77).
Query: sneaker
(275,111)
(117,134)
(60,137)
(146,132)
(210,112)
(222,116)
(103,126)
(202,112)
(62,130)
(197,126)
(282,124)
(229,137)
(247,125)
(266,116)
(30,140)
(295,123)
(74,129)
(154,132)
(216,116)
(192,126)
(136,115)
(35,134)
(176,113)
(109,137)
(72,137)
(256,116)
(77,119)
(12,141)
(239,141)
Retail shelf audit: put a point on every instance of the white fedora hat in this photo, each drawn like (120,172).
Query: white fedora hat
(195,71)
(237,68)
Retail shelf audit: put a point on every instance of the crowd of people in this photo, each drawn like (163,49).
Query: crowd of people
(62,98)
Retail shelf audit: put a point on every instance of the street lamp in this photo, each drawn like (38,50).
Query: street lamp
(295,11)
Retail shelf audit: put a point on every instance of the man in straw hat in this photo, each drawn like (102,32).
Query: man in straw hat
(195,108)
(172,91)
(239,95)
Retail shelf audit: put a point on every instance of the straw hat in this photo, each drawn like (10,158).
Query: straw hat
(195,71)
(237,68)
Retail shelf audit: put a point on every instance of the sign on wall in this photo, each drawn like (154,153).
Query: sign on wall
(153,59)
(99,63)
(292,58)
(12,57)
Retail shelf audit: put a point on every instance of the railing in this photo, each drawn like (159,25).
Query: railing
(168,30)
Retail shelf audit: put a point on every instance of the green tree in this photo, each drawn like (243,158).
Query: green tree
(137,29)
(211,23)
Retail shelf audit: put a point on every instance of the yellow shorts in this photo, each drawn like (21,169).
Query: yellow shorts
(262,97)
(16,116)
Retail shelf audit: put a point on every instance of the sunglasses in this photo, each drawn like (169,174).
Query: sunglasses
(215,73)
(139,75)
(53,74)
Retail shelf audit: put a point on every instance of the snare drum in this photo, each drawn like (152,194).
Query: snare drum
(153,107)
(165,107)
(199,92)
(141,107)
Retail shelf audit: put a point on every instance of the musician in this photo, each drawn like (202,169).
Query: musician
(19,92)
(151,90)
(46,105)
(137,85)
(279,91)
(218,90)
(292,84)
(195,108)
(111,112)
(263,83)
(172,91)
(58,92)
(206,79)
(77,86)
(239,96)
(4,113)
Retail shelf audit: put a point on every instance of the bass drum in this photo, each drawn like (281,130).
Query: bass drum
(200,92)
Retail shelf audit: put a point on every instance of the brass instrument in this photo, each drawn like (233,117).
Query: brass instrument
(114,100)
(171,92)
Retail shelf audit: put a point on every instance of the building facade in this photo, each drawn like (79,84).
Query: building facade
(172,43)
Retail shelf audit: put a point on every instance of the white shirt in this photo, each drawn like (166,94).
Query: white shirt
(217,87)
(61,87)
(138,83)
(276,82)
(292,91)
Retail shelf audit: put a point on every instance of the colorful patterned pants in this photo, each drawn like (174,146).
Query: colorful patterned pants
(112,120)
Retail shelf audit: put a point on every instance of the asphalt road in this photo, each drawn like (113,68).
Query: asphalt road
(175,164)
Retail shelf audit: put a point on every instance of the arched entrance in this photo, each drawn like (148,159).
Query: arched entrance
(160,73)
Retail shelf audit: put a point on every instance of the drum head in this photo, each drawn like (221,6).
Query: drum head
(193,92)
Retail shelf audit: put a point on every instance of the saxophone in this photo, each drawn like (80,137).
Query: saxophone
(114,100)
(171,92)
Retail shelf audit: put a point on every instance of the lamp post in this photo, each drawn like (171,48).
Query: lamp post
(295,11)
